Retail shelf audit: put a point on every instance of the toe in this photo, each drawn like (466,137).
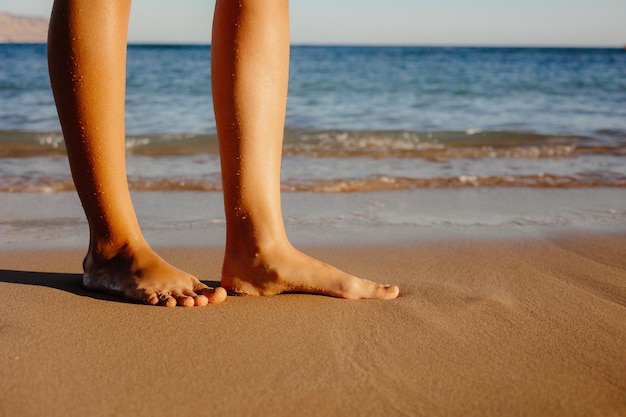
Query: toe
(357,288)
(388,292)
(219,295)
(152,298)
(212,295)
(201,300)
(185,299)
(167,300)
(149,297)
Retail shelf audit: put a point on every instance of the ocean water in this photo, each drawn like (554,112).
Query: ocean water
(358,119)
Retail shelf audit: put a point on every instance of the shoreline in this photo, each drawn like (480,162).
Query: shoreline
(192,219)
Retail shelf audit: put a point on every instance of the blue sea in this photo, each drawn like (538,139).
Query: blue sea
(358,119)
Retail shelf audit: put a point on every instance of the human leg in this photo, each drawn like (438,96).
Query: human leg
(250,61)
(87,64)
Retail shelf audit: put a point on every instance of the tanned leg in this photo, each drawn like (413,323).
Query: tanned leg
(87,63)
(250,60)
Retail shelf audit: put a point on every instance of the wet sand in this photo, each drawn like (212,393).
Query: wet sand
(527,325)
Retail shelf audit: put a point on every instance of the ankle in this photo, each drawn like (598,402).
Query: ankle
(254,242)
(105,249)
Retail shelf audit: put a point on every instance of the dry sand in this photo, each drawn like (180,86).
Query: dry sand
(534,326)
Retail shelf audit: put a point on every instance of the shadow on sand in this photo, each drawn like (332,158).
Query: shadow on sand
(63,281)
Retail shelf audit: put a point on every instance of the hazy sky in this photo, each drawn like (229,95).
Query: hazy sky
(416,22)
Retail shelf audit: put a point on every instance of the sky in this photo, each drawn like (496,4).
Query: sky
(395,22)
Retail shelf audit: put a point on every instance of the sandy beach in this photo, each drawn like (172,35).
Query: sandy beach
(512,319)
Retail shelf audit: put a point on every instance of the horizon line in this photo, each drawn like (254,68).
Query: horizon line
(371,45)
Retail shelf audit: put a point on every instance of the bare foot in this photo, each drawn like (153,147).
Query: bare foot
(140,275)
(285,269)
